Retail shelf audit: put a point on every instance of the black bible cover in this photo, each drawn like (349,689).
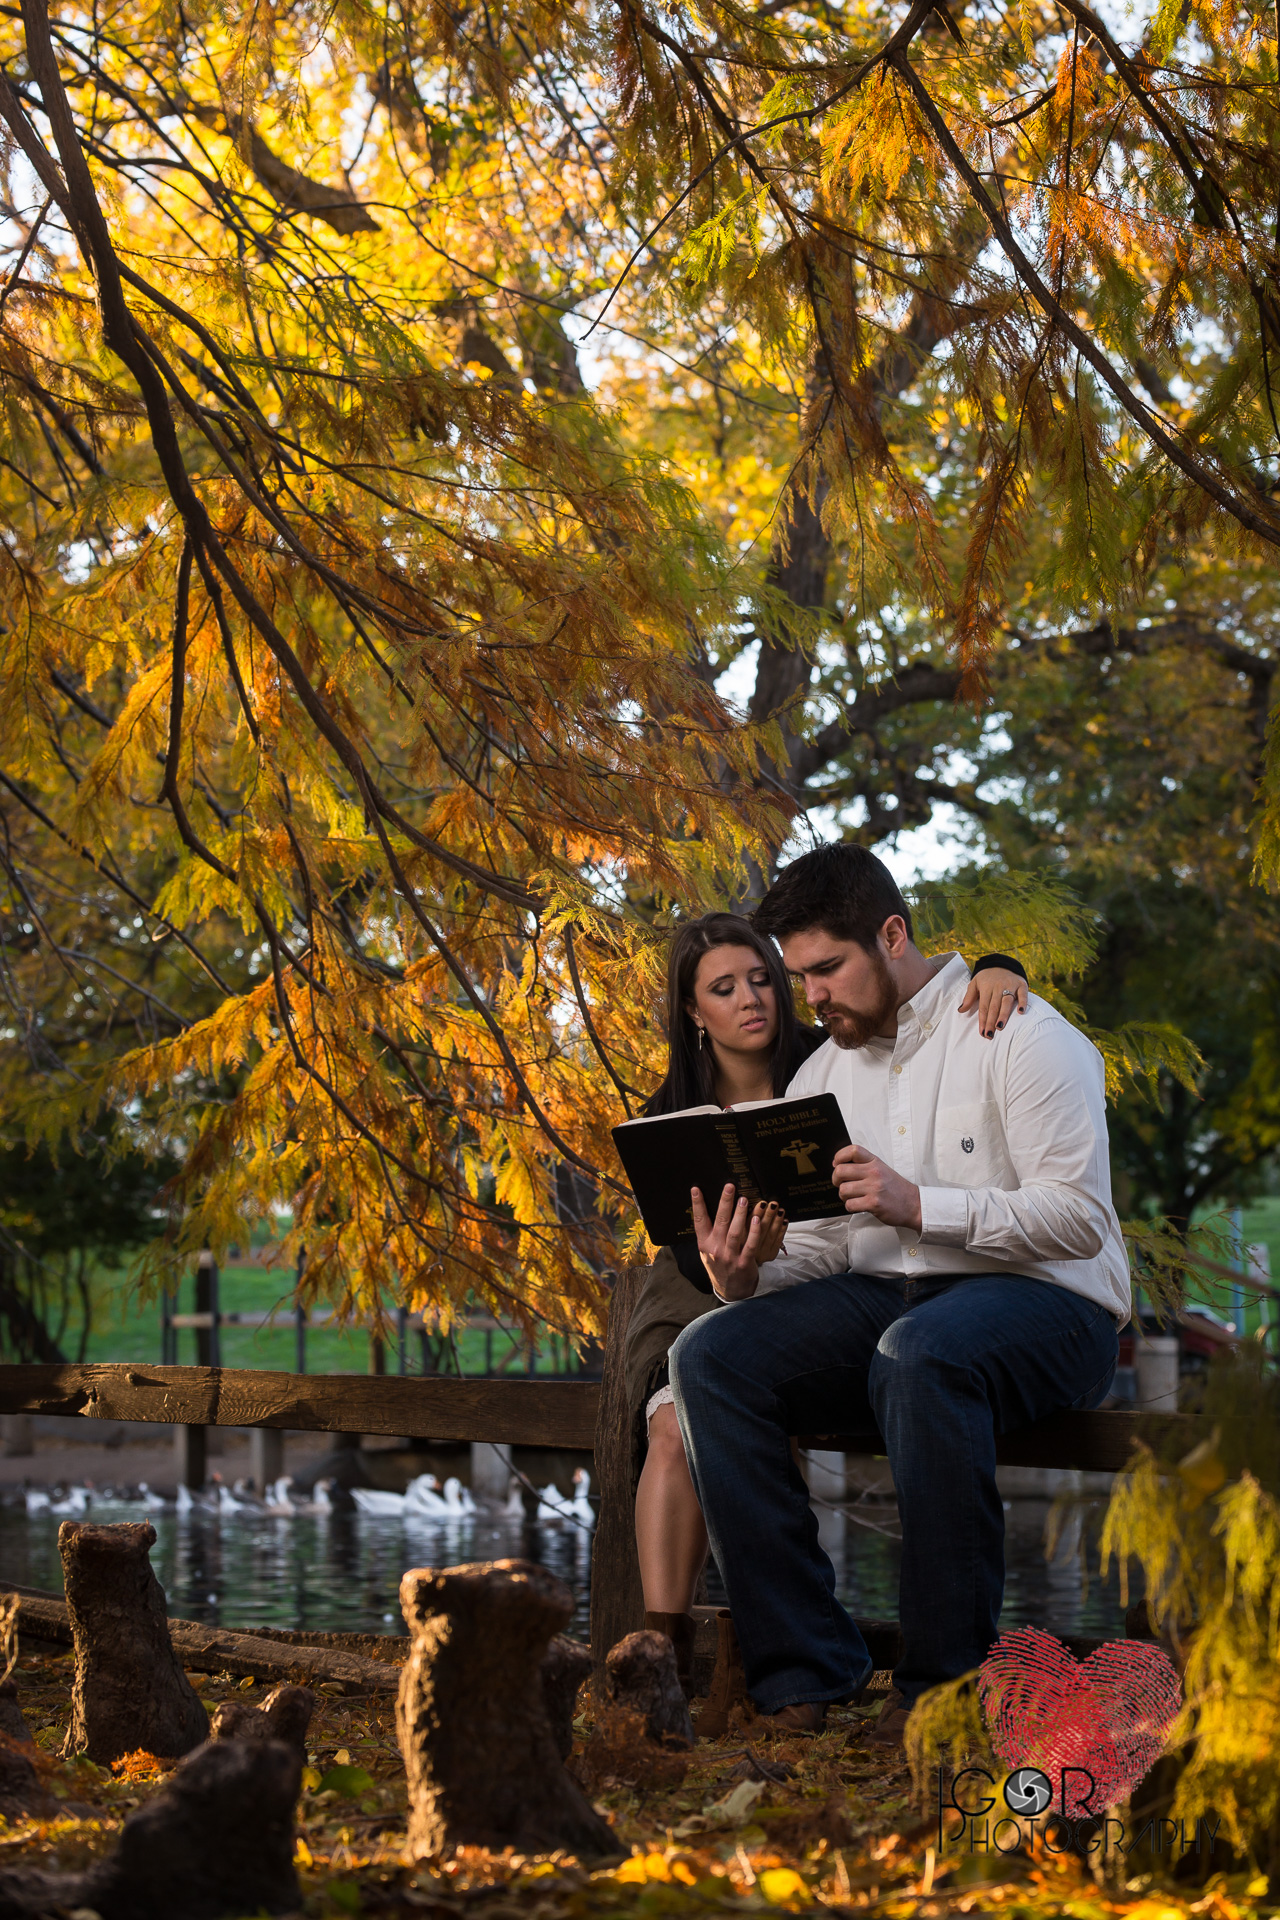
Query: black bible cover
(770,1150)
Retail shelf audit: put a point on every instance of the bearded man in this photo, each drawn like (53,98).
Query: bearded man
(977,1285)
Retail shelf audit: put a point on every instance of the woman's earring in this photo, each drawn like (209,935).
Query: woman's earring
(702,1034)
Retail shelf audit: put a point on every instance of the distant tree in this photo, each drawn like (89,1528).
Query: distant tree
(63,1218)
(1128,762)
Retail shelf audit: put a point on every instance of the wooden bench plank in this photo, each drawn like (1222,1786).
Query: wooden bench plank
(1088,1442)
(537,1413)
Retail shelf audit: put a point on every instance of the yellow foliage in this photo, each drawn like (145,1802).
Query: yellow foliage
(358,663)
(1205,1531)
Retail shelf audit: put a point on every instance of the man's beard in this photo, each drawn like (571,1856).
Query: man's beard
(850,1029)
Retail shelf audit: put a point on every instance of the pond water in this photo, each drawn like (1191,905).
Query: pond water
(340,1572)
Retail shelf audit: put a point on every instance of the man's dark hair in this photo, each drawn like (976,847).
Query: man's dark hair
(844,890)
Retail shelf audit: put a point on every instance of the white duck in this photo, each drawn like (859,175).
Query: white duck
(514,1508)
(457,1499)
(279,1500)
(372,1500)
(38,1501)
(75,1503)
(552,1504)
(422,1500)
(580,1507)
(320,1501)
(153,1502)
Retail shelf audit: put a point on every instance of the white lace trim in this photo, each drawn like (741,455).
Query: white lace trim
(664,1397)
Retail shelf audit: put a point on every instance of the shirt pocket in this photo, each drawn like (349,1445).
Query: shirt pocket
(969,1146)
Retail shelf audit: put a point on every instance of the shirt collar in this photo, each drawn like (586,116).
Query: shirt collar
(923,1011)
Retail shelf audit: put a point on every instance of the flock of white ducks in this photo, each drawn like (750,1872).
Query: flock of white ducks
(424,1501)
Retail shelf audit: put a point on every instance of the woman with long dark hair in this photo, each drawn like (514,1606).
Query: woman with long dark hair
(733,1035)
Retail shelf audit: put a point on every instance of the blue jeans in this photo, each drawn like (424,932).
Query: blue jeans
(939,1370)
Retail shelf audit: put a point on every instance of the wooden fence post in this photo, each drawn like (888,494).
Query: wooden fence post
(617,1599)
(193,1442)
(208,1339)
(266,1457)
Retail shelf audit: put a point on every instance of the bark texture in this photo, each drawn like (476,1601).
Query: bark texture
(563,1670)
(130,1691)
(357,1661)
(479,1752)
(641,1677)
(617,1596)
(215,1842)
(284,1715)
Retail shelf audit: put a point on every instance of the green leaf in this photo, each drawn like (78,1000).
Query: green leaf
(348,1781)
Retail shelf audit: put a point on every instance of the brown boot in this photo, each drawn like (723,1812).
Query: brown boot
(680,1629)
(890,1728)
(728,1682)
(805,1716)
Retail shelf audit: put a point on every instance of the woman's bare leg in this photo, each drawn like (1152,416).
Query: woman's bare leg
(671,1538)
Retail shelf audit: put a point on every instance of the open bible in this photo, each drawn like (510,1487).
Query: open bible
(768,1149)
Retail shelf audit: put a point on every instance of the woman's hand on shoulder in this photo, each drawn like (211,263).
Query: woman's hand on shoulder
(994,992)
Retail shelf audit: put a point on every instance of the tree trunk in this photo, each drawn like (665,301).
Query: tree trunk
(478,1749)
(130,1691)
(617,1597)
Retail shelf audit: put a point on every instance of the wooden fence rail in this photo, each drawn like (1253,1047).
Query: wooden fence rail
(529,1412)
(585,1414)
(521,1412)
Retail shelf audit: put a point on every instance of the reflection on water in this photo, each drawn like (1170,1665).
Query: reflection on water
(1038,1592)
(341,1572)
(331,1573)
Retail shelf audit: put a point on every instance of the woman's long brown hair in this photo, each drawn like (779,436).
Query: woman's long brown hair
(690,1079)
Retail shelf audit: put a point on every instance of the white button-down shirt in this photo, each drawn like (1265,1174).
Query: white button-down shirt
(1006,1139)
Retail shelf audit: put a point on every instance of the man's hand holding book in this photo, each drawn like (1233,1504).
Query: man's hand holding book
(869,1185)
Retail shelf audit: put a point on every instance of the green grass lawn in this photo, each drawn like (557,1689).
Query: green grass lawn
(127,1328)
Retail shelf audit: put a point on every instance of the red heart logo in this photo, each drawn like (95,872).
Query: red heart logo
(1109,1714)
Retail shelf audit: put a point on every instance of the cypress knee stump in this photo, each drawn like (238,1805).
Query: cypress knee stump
(641,1678)
(216,1841)
(566,1666)
(130,1691)
(284,1715)
(481,1759)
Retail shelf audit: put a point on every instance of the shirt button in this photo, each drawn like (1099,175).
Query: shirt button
(897,1069)
(913,1251)
(901,1129)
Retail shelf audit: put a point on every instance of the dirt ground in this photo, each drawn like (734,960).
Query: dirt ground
(739,1825)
